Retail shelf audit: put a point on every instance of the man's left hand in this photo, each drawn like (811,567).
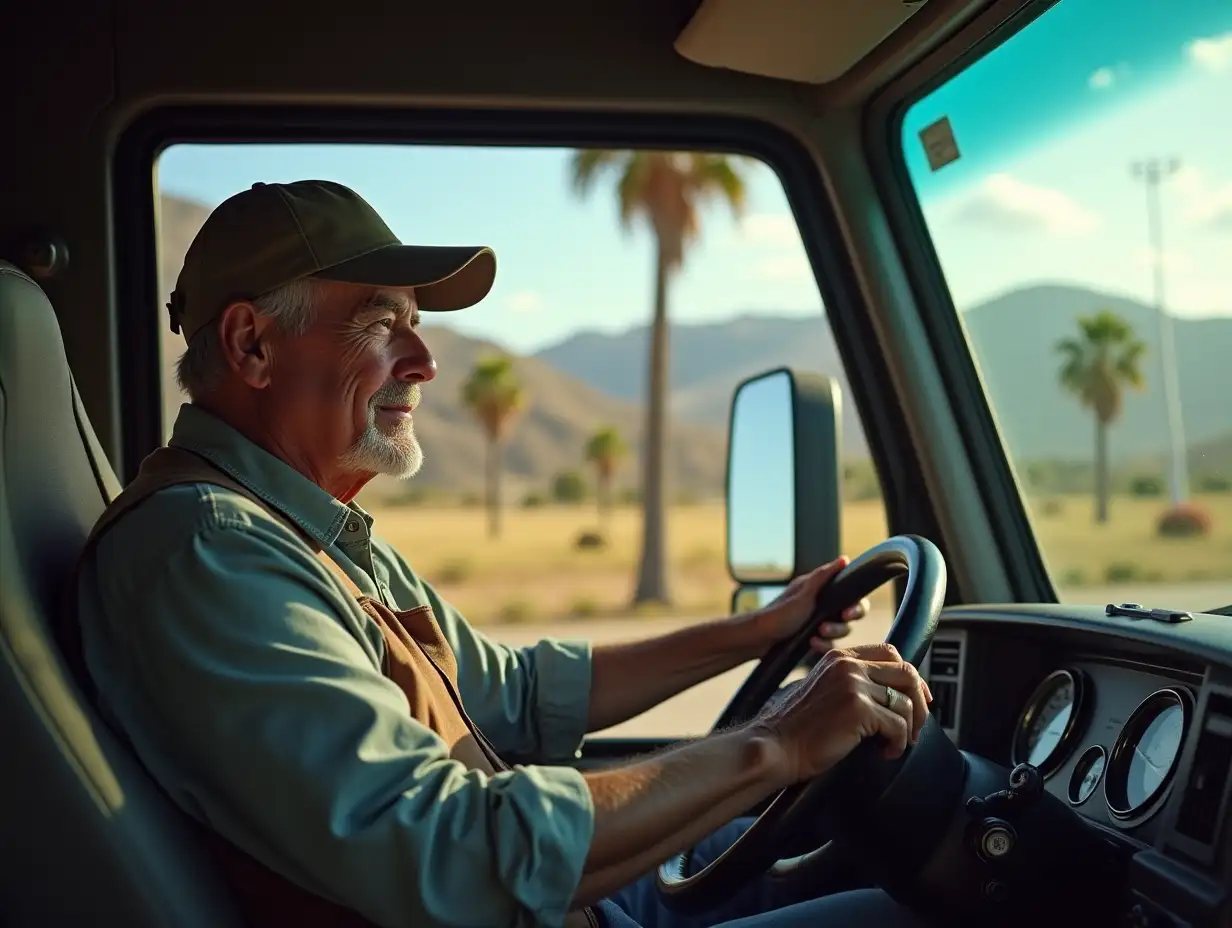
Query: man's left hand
(783,617)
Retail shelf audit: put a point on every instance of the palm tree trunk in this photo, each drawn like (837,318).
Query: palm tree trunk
(1101,470)
(492,476)
(652,585)
(604,499)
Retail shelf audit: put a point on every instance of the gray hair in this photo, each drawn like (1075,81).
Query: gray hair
(292,306)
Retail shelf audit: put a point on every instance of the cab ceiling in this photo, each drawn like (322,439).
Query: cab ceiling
(79,78)
(808,41)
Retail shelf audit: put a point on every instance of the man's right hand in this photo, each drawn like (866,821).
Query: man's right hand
(849,695)
(656,806)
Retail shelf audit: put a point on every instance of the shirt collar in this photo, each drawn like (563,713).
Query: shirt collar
(274,481)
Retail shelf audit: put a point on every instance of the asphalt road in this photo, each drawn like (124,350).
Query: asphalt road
(694,711)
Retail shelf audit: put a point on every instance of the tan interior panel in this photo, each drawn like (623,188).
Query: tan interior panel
(809,41)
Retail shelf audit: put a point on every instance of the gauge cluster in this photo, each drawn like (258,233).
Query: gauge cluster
(1106,738)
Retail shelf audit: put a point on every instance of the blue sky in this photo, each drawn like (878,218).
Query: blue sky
(1047,127)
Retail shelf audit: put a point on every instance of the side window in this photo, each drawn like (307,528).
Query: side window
(1078,191)
(527,514)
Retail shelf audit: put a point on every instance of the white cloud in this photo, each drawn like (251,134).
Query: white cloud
(1213,53)
(1008,203)
(771,244)
(1104,78)
(770,229)
(1170,260)
(1216,213)
(1189,181)
(1205,205)
(1208,297)
(524,302)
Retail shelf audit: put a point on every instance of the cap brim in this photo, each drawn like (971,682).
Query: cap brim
(444,277)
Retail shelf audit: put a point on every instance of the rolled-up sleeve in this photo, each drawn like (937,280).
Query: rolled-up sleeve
(532,701)
(262,713)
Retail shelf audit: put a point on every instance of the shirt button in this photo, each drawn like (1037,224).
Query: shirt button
(352,526)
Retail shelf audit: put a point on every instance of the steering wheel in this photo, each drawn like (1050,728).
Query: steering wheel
(755,852)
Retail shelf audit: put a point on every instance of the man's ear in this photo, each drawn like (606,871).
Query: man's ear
(245,335)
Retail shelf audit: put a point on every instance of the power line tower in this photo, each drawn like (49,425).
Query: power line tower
(1153,172)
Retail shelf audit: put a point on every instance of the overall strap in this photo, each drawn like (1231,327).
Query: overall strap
(170,466)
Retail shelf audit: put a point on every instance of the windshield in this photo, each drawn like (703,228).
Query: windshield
(1077,186)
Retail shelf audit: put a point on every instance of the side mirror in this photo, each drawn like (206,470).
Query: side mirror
(783,476)
(749,597)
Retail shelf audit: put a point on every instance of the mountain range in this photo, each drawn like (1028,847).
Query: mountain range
(1013,338)
(591,379)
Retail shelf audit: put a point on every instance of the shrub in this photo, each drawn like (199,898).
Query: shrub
(569,487)
(1075,576)
(516,610)
(629,496)
(1214,483)
(455,570)
(589,541)
(533,500)
(1145,485)
(1052,507)
(1184,520)
(583,607)
(1122,572)
(860,482)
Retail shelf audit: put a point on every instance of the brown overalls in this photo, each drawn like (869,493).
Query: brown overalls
(418,659)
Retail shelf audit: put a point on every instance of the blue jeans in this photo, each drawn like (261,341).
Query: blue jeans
(761,903)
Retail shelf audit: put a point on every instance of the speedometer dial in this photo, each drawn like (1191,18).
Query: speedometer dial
(1146,751)
(1048,721)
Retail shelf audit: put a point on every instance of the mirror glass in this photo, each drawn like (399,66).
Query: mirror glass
(761,486)
(750,598)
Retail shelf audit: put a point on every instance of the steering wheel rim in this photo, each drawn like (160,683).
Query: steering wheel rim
(911,633)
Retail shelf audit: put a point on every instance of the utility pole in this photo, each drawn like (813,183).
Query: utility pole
(1153,172)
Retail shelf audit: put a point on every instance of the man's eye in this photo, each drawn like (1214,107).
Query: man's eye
(386,323)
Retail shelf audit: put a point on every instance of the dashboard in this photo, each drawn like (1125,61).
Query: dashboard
(1129,721)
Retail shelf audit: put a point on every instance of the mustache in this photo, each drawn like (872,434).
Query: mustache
(396,393)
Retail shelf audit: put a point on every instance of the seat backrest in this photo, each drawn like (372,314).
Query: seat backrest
(86,836)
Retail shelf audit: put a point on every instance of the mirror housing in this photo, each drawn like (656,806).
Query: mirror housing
(784,508)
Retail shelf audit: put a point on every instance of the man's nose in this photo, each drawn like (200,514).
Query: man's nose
(416,364)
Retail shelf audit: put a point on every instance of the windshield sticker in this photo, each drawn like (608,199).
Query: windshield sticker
(939,143)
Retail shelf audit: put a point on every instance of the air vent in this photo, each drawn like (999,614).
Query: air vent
(943,669)
(1207,789)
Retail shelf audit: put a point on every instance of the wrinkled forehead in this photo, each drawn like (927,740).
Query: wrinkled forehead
(401,300)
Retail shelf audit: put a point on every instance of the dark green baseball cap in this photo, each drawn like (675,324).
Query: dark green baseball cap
(273,234)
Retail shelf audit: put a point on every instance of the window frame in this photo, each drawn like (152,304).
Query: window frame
(136,260)
(992,468)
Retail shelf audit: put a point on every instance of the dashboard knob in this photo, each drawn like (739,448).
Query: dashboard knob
(1026,783)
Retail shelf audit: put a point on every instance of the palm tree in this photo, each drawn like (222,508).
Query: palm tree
(666,189)
(604,449)
(494,397)
(1096,367)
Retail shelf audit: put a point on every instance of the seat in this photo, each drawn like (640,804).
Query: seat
(86,836)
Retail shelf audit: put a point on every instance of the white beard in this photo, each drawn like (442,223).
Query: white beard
(393,450)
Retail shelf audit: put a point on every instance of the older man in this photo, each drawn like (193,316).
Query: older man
(332,724)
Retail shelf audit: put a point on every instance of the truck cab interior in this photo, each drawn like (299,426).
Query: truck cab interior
(1078,762)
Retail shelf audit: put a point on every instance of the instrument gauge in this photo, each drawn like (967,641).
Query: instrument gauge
(1146,752)
(1049,721)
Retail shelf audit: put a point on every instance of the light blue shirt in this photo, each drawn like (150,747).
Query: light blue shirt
(249,682)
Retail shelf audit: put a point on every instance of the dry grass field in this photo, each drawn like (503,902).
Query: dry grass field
(534,573)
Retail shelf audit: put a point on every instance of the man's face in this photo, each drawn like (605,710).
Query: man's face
(346,387)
